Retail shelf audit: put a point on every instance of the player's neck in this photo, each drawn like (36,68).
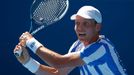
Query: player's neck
(94,39)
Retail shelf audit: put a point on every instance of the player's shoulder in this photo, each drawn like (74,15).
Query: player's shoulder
(105,40)
(76,43)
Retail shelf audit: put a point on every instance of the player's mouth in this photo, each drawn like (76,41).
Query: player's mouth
(82,34)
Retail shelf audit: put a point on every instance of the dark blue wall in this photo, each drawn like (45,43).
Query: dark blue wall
(118,18)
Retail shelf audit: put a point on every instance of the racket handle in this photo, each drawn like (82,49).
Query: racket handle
(18,53)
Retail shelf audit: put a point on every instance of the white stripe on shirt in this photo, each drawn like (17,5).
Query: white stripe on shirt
(92,70)
(105,69)
(96,55)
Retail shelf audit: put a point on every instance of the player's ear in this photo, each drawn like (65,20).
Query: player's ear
(98,27)
(75,27)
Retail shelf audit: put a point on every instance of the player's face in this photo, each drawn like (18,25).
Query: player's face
(85,29)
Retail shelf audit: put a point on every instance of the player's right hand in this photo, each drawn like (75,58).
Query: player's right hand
(24,56)
(24,37)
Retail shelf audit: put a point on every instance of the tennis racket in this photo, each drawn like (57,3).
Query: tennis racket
(44,13)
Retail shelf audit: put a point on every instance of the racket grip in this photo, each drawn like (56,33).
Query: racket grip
(18,53)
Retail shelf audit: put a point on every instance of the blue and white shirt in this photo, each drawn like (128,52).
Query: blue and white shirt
(100,58)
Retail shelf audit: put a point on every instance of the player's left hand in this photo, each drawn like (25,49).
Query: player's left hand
(24,58)
(24,37)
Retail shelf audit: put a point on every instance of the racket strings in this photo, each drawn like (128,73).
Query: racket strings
(49,11)
(48,6)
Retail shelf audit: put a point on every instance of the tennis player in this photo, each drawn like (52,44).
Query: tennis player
(93,53)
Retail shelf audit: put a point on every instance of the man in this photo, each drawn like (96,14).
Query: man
(94,54)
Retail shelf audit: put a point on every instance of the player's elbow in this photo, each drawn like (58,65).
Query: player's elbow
(58,63)
(46,70)
(55,72)
(61,62)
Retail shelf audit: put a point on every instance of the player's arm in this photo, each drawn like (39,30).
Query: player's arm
(34,66)
(59,61)
(55,59)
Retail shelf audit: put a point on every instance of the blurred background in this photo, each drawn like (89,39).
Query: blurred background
(118,18)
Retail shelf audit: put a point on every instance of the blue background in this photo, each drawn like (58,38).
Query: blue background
(117,26)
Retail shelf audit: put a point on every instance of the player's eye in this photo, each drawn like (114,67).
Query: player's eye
(85,24)
(77,23)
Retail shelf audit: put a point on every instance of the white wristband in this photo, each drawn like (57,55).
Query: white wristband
(32,65)
(33,44)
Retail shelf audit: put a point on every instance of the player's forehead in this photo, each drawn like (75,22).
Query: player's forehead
(81,19)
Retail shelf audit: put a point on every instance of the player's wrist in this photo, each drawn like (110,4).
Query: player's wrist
(33,44)
(32,65)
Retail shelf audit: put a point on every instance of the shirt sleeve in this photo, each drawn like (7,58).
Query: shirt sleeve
(92,53)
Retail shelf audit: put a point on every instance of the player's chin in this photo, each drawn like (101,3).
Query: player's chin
(81,38)
(84,38)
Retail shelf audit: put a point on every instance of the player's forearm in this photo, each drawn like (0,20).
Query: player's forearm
(45,70)
(50,57)
(57,60)
(35,67)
